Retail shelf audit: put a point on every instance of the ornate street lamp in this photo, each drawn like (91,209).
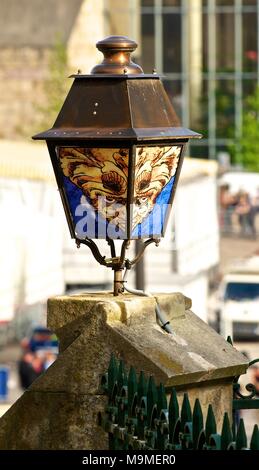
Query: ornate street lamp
(117,150)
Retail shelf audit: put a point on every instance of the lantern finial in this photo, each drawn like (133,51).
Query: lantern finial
(117,60)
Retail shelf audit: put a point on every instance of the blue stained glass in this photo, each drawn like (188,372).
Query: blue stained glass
(87,221)
(153,224)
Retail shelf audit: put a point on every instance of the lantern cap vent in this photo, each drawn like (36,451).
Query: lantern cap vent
(117,60)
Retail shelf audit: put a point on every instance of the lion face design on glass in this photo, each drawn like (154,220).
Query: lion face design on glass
(102,175)
(155,166)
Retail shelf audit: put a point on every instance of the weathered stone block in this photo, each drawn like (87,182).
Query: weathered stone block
(60,409)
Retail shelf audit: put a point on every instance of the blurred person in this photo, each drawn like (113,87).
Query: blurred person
(37,364)
(255,201)
(40,350)
(29,368)
(245,214)
(255,209)
(227,204)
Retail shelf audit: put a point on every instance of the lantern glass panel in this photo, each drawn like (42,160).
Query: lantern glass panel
(155,176)
(96,186)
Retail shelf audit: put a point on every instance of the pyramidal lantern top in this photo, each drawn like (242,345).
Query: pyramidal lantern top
(117,148)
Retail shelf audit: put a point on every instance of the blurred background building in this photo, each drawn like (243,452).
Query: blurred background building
(207,51)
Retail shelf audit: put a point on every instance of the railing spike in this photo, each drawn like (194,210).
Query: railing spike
(197,425)
(173,413)
(132,388)
(112,374)
(146,427)
(210,426)
(234,424)
(162,415)
(161,398)
(151,398)
(241,439)
(122,378)
(254,444)
(142,386)
(186,412)
(226,434)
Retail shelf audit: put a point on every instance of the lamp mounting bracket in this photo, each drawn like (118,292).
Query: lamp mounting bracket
(116,263)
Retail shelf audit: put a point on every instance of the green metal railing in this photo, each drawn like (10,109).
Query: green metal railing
(243,401)
(138,417)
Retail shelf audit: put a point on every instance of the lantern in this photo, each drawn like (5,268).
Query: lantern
(117,150)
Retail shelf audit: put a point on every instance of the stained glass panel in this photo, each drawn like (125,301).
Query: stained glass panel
(96,183)
(155,171)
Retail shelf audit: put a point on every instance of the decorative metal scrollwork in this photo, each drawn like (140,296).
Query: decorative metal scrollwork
(250,387)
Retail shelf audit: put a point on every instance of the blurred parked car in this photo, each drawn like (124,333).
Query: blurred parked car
(239,301)
(39,351)
(42,339)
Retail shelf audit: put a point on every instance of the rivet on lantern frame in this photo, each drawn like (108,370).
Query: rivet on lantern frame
(117,151)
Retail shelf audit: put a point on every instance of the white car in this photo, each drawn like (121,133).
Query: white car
(239,301)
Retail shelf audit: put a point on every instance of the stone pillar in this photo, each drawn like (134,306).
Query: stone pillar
(59,410)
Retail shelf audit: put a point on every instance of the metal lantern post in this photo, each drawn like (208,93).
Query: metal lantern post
(117,150)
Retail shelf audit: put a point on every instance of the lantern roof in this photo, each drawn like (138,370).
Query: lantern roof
(117,101)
